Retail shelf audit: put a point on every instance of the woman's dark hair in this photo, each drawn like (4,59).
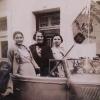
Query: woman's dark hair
(59,36)
(17,32)
(34,36)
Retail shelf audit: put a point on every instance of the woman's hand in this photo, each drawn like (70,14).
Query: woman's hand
(7,92)
(37,70)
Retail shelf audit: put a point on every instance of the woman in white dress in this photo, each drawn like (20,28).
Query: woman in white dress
(58,53)
(20,58)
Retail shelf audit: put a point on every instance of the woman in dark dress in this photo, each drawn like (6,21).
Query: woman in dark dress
(41,52)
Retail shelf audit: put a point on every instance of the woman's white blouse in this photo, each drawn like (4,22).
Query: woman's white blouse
(58,53)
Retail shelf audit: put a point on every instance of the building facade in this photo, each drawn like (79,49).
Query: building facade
(49,16)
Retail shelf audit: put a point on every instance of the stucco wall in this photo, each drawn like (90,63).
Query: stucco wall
(21,18)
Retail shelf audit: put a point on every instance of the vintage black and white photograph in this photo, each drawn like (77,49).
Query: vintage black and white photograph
(49,49)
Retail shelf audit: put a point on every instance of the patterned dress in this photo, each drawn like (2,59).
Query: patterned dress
(21,61)
(58,54)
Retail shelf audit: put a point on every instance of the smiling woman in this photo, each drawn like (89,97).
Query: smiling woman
(58,54)
(20,57)
(18,38)
(41,52)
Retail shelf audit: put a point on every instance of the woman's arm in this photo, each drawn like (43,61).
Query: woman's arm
(34,62)
(10,55)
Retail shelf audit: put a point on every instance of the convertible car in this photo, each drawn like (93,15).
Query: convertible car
(80,83)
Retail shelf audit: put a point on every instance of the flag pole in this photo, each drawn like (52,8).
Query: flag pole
(88,26)
(89,15)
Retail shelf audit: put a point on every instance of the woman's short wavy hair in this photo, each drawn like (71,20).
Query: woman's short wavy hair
(59,36)
(34,36)
(17,32)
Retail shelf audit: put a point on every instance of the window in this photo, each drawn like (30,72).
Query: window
(48,23)
(55,20)
(4,48)
(3,24)
(43,21)
(3,38)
